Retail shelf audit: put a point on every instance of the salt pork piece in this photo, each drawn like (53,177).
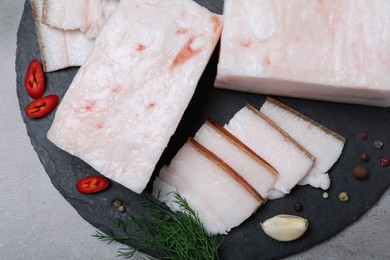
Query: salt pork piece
(254,169)
(167,183)
(232,199)
(88,16)
(126,101)
(273,144)
(59,49)
(324,144)
(325,50)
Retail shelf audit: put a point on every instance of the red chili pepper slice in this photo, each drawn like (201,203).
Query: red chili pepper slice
(92,184)
(34,81)
(41,107)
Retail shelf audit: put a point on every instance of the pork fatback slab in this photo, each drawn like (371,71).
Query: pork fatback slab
(324,50)
(87,16)
(320,141)
(165,193)
(59,49)
(126,101)
(254,169)
(232,199)
(264,137)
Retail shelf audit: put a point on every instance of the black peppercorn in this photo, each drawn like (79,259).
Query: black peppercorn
(360,172)
(298,206)
(362,136)
(364,157)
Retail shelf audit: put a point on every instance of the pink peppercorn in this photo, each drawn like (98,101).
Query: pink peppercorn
(384,161)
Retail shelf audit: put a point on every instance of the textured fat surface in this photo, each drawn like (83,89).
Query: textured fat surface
(198,203)
(229,199)
(254,172)
(274,145)
(59,49)
(88,16)
(326,50)
(166,195)
(127,99)
(321,142)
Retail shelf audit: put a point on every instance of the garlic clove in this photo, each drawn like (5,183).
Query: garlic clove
(285,227)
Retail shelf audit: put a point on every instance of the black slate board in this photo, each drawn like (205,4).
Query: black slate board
(326,217)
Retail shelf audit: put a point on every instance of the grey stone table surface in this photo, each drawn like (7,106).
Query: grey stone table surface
(37,223)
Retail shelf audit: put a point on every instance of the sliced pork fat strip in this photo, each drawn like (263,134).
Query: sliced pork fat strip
(254,169)
(88,16)
(126,101)
(273,144)
(59,49)
(324,50)
(196,201)
(231,197)
(321,142)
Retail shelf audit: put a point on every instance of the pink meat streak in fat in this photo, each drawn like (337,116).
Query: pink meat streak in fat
(126,101)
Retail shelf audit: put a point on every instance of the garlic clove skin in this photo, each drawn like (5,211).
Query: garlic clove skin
(285,228)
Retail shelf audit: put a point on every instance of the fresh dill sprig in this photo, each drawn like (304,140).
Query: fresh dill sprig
(172,235)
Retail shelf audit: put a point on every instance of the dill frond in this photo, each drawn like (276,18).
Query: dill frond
(173,235)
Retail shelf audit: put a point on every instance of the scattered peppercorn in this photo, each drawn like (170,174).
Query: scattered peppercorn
(298,206)
(364,157)
(360,172)
(117,203)
(378,144)
(325,195)
(384,161)
(343,196)
(121,208)
(362,136)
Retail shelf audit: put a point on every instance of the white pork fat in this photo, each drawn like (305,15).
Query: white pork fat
(254,169)
(232,199)
(273,144)
(324,144)
(165,193)
(59,49)
(126,101)
(324,50)
(88,16)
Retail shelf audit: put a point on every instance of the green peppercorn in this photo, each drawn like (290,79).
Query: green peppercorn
(117,203)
